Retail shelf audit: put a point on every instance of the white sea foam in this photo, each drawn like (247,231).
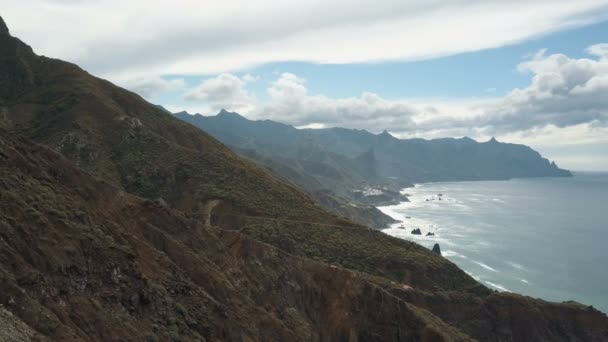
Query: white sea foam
(497,286)
(473,275)
(524,281)
(485,266)
(450,253)
(515,265)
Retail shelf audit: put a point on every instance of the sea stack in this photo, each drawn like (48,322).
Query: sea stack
(437,249)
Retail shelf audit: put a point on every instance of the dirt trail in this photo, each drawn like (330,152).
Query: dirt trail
(208,209)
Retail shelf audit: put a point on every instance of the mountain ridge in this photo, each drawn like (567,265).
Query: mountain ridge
(359,142)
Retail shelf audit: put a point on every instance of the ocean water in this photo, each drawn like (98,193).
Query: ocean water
(543,237)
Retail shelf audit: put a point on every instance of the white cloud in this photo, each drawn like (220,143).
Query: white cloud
(121,40)
(250,78)
(224,91)
(149,87)
(290,102)
(136,42)
(565,104)
(564,92)
(599,50)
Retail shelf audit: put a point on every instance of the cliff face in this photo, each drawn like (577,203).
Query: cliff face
(127,224)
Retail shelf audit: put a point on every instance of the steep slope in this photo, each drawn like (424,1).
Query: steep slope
(294,172)
(329,178)
(285,145)
(135,145)
(81,260)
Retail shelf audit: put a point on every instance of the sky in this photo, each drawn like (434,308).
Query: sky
(531,72)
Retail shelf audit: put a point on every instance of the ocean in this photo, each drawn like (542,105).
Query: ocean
(542,237)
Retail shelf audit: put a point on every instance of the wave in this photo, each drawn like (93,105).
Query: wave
(450,253)
(516,265)
(473,275)
(392,211)
(485,266)
(497,286)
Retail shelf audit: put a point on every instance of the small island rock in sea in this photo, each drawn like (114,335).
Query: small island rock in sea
(437,249)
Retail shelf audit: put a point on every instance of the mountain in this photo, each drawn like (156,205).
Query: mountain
(379,158)
(350,172)
(358,170)
(447,159)
(328,177)
(136,146)
(120,222)
(83,260)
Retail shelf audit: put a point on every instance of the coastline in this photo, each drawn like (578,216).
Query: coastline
(405,224)
(387,207)
(509,237)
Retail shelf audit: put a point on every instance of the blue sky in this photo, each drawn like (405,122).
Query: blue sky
(530,72)
(484,73)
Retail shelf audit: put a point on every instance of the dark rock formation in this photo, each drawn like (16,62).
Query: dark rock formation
(437,249)
(416,231)
(3,27)
(430,234)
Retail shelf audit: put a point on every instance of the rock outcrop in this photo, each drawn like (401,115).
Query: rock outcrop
(436,249)
(3,27)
